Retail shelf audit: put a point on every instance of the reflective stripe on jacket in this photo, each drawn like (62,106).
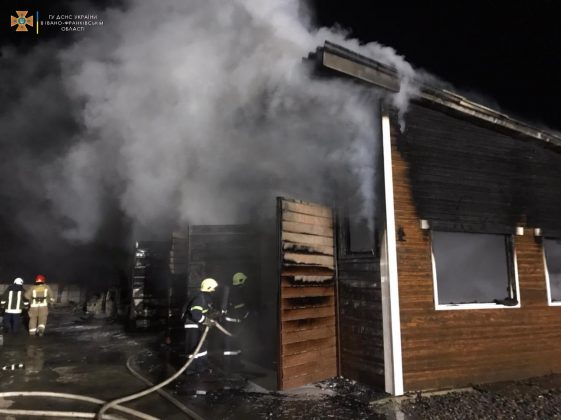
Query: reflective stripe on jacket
(13,299)
(40,295)
(196,310)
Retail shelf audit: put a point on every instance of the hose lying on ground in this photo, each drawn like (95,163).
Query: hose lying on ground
(47,413)
(163,393)
(192,357)
(105,405)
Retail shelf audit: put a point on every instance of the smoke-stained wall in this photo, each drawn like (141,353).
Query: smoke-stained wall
(469,176)
(454,348)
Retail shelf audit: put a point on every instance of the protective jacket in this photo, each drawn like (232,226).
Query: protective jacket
(39,295)
(13,300)
(195,314)
(196,310)
(237,310)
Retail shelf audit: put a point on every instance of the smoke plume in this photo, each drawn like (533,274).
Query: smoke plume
(191,112)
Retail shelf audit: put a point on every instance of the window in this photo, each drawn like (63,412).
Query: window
(361,235)
(357,238)
(473,270)
(552,256)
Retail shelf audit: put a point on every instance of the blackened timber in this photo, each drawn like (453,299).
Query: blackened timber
(303,239)
(308,260)
(346,63)
(307,249)
(302,270)
(463,174)
(307,294)
(456,348)
(360,313)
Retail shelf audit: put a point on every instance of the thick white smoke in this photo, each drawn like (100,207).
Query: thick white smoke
(196,111)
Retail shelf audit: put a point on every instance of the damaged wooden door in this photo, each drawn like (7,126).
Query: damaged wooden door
(307,307)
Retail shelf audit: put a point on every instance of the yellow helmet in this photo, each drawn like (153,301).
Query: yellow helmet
(208,285)
(238,279)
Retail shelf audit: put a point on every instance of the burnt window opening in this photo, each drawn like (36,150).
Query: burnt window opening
(552,257)
(473,269)
(358,237)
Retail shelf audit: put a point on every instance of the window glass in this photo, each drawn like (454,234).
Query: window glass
(552,249)
(472,268)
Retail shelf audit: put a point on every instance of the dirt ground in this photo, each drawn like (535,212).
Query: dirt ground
(89,357)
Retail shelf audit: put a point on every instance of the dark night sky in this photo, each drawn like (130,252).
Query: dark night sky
(509,52)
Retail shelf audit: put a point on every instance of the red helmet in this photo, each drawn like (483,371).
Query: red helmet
(40,278)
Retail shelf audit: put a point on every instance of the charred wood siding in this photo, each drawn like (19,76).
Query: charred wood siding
(360,315)
(308,336)
(470,175)
(457,348)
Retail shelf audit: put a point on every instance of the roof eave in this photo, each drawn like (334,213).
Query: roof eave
(349,63)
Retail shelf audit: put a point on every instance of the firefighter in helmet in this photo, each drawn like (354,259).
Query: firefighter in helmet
(40,296)
(196,316)
(13,302)
(236,314)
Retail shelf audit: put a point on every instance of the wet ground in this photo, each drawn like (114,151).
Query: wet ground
(89,358)
(77,357)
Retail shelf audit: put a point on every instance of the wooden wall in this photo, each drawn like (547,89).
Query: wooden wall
(360,313)
(308,330)
(461,347)
(466,173)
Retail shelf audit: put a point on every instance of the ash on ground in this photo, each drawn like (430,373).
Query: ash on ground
(333,399)
(536,398)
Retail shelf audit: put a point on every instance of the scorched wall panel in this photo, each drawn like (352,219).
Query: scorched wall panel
(308,330)
(462,347)
(360,318)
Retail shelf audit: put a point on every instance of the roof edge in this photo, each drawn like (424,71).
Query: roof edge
(350,63)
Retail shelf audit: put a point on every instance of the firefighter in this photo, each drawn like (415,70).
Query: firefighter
(39,295)
(236,314)
(197,314)
(13,302)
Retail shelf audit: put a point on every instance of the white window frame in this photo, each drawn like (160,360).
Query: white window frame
(466,306)
(547,284)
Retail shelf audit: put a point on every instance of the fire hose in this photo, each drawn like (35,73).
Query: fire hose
(137,395)
(76,414)
(115,404)
(163,393)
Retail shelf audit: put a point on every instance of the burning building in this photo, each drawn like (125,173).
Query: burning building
(450,278)
(469,283)
(416,242)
